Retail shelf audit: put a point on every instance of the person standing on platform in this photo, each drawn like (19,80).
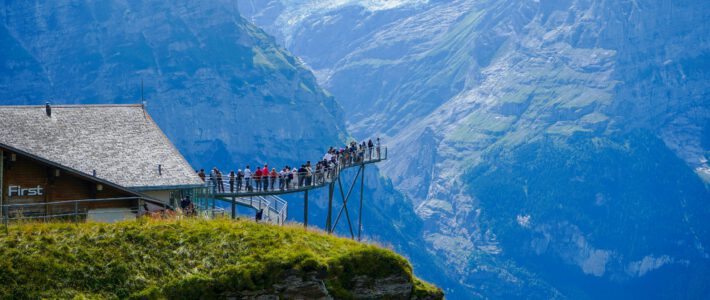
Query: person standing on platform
(377,145)
(247,178)
(273,176)
(240,178)
(213,179)
(291,176)
(265,177)
(231,181)
(370,145)
(282,178)
(257,178)
(301,175)
(220,183)
(309,174)
(201,174)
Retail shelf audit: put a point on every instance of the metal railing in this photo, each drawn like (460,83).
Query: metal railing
(71,210)
(275,209)
(253,185)
(259,192)
(279,183)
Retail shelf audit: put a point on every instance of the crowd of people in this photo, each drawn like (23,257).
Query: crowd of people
(289,178)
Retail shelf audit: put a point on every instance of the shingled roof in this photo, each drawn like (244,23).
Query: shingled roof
(120,142)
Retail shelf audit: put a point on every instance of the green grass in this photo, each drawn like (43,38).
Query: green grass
(183,259)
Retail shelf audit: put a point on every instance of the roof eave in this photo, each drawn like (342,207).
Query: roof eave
(166,187)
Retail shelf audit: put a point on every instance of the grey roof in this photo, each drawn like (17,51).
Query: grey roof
(120,142)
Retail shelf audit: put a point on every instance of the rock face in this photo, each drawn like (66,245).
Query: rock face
(486,95)
(312,286)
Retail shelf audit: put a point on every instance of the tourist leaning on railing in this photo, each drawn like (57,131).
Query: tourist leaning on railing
(288,178)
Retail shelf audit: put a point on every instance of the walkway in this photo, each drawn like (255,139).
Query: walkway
(263,193)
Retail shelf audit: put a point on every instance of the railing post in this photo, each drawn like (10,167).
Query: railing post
(234,208)
(3,215)
(305,209)
(76,211)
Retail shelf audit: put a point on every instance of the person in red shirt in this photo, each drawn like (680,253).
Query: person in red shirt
(257,178)
(273,176)
(265,178)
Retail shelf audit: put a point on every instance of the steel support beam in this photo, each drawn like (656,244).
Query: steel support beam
(234,207)
(362,188)
(345,202)
(329,218)
(305,209)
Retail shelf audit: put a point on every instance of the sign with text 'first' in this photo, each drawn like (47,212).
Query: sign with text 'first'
(16,190)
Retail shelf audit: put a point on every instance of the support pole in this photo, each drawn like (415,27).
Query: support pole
(362,188)
(329,218)
(305,209)
(234,208)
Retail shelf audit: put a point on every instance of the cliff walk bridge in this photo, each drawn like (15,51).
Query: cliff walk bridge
(261,193)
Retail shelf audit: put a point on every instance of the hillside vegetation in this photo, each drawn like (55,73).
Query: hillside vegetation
(191,259)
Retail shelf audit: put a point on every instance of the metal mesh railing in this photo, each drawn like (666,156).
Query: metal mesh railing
(72,210)
(248,183)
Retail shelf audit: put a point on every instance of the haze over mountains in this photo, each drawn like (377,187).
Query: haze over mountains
(552,148)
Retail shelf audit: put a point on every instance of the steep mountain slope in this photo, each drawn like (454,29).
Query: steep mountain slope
(207,73)
(222,90)
(473,87)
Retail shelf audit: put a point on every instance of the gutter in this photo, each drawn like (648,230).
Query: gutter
(165,187)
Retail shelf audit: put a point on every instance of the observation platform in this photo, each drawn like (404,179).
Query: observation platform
(263,192)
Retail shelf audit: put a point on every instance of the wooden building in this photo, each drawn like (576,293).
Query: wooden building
(100,162)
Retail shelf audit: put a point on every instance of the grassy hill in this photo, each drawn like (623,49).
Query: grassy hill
(191,259)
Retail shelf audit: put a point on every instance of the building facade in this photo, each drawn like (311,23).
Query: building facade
(98,162)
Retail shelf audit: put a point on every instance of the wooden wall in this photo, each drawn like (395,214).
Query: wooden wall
(29,173)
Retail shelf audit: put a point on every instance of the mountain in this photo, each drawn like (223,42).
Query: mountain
(218,86)
(551,148)
(223,91)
